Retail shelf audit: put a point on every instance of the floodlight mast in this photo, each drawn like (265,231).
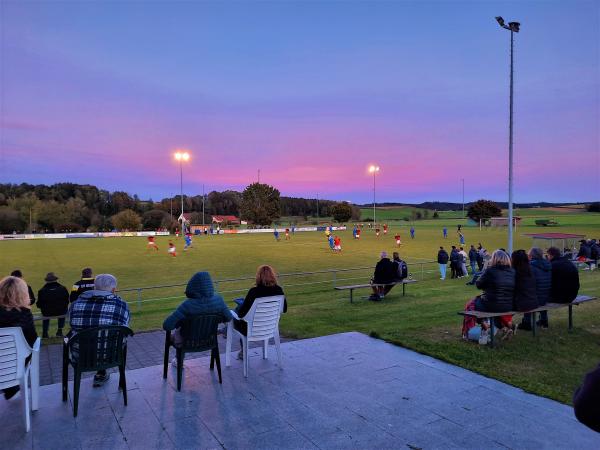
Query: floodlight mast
(181,156)
(374,169)
(513,27)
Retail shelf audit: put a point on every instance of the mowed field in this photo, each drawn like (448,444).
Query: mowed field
(425,320)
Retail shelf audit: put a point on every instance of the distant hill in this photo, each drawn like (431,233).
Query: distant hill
(449,206)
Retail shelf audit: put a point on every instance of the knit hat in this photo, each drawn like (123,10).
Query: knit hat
(200,286)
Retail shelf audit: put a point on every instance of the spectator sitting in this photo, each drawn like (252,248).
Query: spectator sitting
(85,284)
(17,273)
(384,273)
(498,285)
(400,271)
(201,299)
(53,300)
(565,278)
(525,283)
(96,308)
(542,270)
(15,311)
(266,286)
(586,401)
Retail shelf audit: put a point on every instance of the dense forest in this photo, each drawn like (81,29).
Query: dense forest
(74,207)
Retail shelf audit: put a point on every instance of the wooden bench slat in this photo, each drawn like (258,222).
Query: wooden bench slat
(358,286)
(548,306)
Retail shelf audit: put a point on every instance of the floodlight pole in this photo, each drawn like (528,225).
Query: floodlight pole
(463,197)
(510,152)
(181,190)
(203,205)
(513,27)
(374,221)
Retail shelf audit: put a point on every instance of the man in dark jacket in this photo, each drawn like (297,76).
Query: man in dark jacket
(542,270)
(384,273)
(17,273)
(53,300)
(442,259)
(565,278)
(454,262)
(586,401)
(85,284)
(473,254)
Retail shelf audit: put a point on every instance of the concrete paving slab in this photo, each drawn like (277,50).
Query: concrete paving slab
(339,391)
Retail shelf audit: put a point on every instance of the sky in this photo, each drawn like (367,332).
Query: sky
(308,92)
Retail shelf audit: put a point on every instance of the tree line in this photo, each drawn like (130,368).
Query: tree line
(70,207)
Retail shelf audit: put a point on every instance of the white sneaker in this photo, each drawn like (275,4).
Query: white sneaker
(484,338)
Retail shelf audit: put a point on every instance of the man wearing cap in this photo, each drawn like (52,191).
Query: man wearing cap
(385,272)
(85,284)
(53,300)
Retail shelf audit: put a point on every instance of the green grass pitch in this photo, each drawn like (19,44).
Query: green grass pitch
(425,320)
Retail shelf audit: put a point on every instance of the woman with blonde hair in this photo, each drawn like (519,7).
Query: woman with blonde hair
(498,285)
(266,286)
(15,312)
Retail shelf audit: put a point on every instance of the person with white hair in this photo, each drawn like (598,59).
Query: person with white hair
(99,307)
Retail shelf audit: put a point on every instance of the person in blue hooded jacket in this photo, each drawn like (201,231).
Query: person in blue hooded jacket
(201,299)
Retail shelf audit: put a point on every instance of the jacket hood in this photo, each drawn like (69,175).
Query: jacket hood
(200,286)
(96,293)
(542,264)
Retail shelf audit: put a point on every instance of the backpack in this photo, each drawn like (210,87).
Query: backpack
(402,270)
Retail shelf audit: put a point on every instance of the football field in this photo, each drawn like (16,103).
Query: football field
(425,320)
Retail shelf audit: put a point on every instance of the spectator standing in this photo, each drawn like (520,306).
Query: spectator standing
(99,307)
(53,300)
(86,283)
(565,278)
(385,273)
(454,262)
(473,258)
(442,259)
(463,262)
(15,311)
(17,273)
(200,299)
(542,271)
(265,286)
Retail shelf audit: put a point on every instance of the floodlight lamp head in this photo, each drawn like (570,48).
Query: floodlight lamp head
(500,21)
(514,26)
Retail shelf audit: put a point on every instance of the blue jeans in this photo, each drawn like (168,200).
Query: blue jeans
(473,267)
(443,271)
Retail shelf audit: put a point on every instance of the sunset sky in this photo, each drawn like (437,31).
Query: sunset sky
(310,93)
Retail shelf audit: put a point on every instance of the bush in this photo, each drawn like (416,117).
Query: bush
(594,207)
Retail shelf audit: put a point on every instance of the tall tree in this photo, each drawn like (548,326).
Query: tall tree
(483,209)
(341,212)
(126,220)
(260,204)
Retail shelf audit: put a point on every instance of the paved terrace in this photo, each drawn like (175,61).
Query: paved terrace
(340,391)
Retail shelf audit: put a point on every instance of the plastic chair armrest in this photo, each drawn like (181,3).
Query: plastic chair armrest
(235,316)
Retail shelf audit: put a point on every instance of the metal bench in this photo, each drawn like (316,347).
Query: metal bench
(369,285)
(547,307)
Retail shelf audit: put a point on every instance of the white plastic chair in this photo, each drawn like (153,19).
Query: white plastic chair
(14,350)
(263,324)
